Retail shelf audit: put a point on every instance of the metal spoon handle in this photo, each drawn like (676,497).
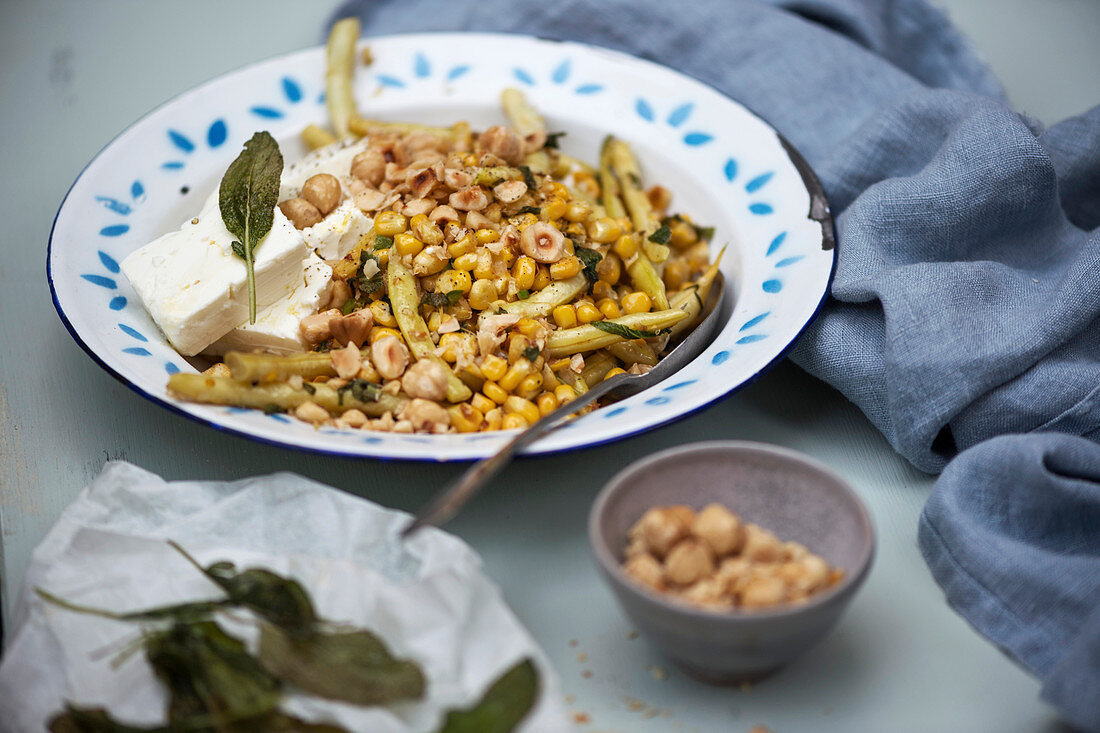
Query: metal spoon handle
(446,503)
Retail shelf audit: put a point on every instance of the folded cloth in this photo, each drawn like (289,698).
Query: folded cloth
(1012,533)
(966,302)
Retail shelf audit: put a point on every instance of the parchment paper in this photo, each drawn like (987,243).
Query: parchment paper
(426,598)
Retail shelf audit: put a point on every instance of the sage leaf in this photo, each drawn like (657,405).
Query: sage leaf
(503,706)
(210,675)
(662,235)
(179,613)
(282,601)
(247,198)
(620,330)
(351,666)
(589,258)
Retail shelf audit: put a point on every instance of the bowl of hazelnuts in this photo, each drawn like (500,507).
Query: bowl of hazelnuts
(732,557)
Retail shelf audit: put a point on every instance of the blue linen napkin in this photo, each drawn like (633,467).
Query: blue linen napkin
(1012,533)
(966,303)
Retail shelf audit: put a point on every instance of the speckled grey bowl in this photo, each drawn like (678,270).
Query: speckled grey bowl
(791,494)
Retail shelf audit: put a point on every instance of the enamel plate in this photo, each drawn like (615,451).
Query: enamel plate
(724,166)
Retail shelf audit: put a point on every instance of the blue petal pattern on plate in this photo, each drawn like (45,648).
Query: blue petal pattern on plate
(559,74)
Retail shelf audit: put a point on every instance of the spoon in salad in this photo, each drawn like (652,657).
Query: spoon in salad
(447,503)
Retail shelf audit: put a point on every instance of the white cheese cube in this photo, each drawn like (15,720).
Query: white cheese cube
(196,289)
(335,235)
(276,329)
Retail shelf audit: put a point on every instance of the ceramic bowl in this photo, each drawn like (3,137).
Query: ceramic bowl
(725,167)
(791,494)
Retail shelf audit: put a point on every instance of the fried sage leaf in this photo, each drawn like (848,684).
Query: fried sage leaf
(210,675)
(282,601)
(503,706)
(98,720)
(352,666)
(247,197)
(180,612)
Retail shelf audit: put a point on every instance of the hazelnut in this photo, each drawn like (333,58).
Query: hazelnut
(390,357)
(369,167)
(346,361)
(503,142)
(647,570)
(311,412)
(353,328)
(323,191)
(473,198)
(542,242)
(720,528)
(690,560)
(318,327)
(301,213)
(708,593)
(663,527)
(426,378)
(509,191)
(761,545)
(425,415)
(761,592)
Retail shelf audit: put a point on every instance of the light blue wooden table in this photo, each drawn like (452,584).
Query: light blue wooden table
(73,74)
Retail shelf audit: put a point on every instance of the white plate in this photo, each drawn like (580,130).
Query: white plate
(725,167)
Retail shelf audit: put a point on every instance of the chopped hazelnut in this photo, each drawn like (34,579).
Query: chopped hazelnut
(720,528)
(647,570)
(663,527)
(690,560)
(761,545)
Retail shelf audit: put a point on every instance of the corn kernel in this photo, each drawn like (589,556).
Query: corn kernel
(452,280)
(493,419)
(558,364)
(604,230)
(517,346)
(485,236)
(493,367)
(698,256)
(610,268)
(614,373)
(481,403)
(407,244)
(601,290)
(659,197)
(389,223)
(625,246)
(494,213)
(565,316)
(609,308)
(577,211)
(553,209)
(482,294)
(425,230)
(465,262)
(483,270)
(495,392)
(576,229)
(565,268)
(515,375)
(501,282)
(450,346)
(525,408)
(530,386)
(513,421)
(587,312)
(637,302)
(524,272)
(560,190)
(528,327)
(542,278)
(462,246)
(383,257)
(383,314)
(585,181)
(464,418)
(507,256)
(379,332)
(434,320)
(547,403)
(564,393)
(683,235)
(525,220)
(676,273)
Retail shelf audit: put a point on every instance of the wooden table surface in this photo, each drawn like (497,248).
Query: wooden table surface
(73,74)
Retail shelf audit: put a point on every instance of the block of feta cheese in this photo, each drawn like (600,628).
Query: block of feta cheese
(196,289)
(276,328)
(336,234)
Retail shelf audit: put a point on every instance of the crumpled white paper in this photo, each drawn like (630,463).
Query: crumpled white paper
(426,598)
